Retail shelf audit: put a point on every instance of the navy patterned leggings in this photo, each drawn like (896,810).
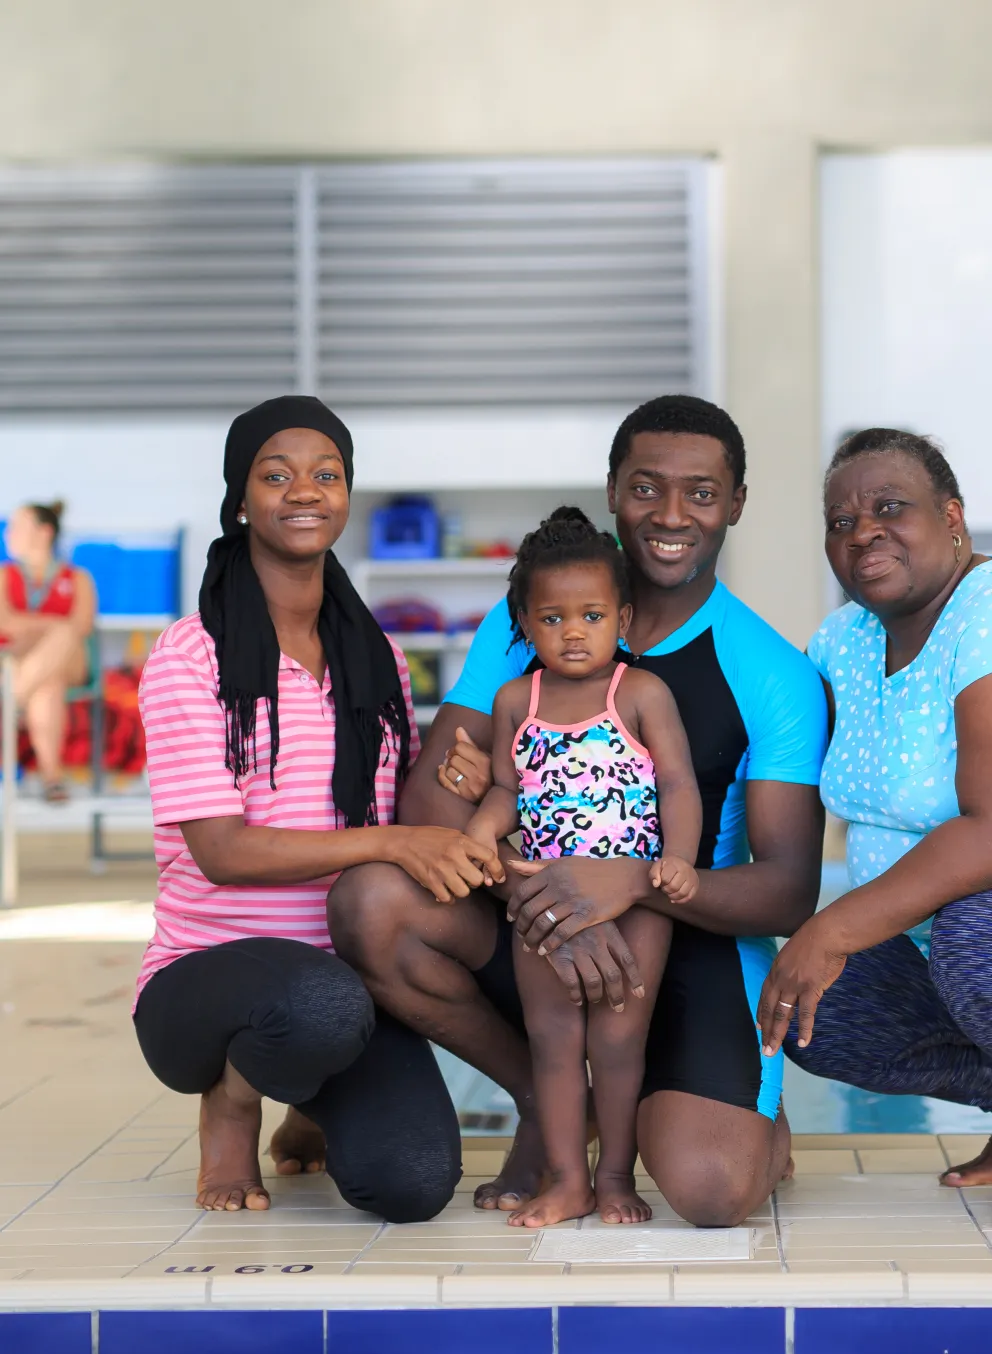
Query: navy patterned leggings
(894,1024)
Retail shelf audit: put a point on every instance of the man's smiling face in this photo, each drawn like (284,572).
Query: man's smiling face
(674,498)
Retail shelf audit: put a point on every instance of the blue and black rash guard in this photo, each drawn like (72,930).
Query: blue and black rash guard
(753,709)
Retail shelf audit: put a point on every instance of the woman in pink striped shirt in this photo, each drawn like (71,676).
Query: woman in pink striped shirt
(279,725)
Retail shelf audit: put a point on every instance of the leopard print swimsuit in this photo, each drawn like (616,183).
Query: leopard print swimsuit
(586,789)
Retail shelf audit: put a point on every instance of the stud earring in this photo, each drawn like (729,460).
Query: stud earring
(957,547)
(242,519)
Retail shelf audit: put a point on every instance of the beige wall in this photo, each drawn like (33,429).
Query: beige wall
(763,84)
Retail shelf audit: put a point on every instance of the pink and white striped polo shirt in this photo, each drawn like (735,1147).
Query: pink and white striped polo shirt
(184,729)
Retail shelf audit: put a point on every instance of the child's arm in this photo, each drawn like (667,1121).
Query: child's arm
(680,809)
(497,816)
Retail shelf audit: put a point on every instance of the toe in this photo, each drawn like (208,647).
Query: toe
(313,1167)
(288,1166)
(511,1201)
(235,1201)
(257,1200)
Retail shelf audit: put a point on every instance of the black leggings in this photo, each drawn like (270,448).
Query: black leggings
(299,1026)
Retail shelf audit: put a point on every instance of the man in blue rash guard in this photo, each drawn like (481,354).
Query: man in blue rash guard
(710,1130)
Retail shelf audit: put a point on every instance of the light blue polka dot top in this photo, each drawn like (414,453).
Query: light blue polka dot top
(890,767)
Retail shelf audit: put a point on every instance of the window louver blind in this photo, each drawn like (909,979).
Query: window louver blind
(384,284)
(165,289)
(540,282)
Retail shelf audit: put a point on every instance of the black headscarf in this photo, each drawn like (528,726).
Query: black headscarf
(365,685)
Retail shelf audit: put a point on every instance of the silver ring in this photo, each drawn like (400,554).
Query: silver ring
(789,1006)
(551,916)
(459,778)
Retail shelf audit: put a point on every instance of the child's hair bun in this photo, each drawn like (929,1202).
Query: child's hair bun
(567,536)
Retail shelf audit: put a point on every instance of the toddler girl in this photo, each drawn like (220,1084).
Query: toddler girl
(589,758)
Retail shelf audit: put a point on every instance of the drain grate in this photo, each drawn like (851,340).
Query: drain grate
(650,1245)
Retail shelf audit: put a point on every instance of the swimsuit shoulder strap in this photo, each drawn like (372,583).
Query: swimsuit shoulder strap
(535,693)
(611,695)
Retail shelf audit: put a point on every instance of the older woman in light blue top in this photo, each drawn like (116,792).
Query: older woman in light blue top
(897,974)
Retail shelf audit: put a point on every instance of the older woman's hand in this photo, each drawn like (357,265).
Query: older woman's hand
(466,770)
(804,968)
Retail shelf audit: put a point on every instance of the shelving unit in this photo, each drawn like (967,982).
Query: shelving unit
(455,587)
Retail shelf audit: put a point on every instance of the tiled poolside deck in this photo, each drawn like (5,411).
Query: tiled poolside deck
(97,1171)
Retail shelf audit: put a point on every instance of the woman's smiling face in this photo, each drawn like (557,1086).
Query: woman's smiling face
(889,537)
(296,498)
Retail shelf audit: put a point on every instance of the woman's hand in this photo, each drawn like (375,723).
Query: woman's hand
(448,863)
(804,968)
(466,770)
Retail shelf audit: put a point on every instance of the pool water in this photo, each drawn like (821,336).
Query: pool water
(813,1104)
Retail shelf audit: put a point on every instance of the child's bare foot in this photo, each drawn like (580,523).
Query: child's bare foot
(978,1171)
(565,1199)
(230,1177)
(297,1145)
(618,1201)
(522,1174)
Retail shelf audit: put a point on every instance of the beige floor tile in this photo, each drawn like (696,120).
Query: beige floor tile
(385,1267)
(895,1253)
(901,1160)
(508,1271)
(855,1141)
(825,1161)
(509,1241)
(483,1164)
(348,1289)
(747,1284)
(963,1146)
(454,1256)
(944,1283)
(854,1228)
(541,1289)
(53,1274)
(71,1257)
(486,1143)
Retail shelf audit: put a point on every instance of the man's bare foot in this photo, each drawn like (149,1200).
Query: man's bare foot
(789,1172)
(522,1174)
(297,1146)
(566,1199)
(618,1201)
(978,1171)
(230,1123)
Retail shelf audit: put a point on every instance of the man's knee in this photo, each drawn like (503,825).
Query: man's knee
(709,1190)
(366,909)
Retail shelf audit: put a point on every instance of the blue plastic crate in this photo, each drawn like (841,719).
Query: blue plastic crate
(138,577)
(407,528)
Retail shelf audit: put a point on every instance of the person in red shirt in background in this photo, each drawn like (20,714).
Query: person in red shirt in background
(47,610)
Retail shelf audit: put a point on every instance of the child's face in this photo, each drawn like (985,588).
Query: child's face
(574,618)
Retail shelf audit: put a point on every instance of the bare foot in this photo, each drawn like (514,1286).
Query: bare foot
(297,1145)
(789,1172)
(618,1201)
(230,1177)
(559,1202)
(521,1176)
(975,1172)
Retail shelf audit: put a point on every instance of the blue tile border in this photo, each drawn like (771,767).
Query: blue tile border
(674,1330)
(893,1330)
(211,1332)
(505,1330)
(465,1330)
(45,1332)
